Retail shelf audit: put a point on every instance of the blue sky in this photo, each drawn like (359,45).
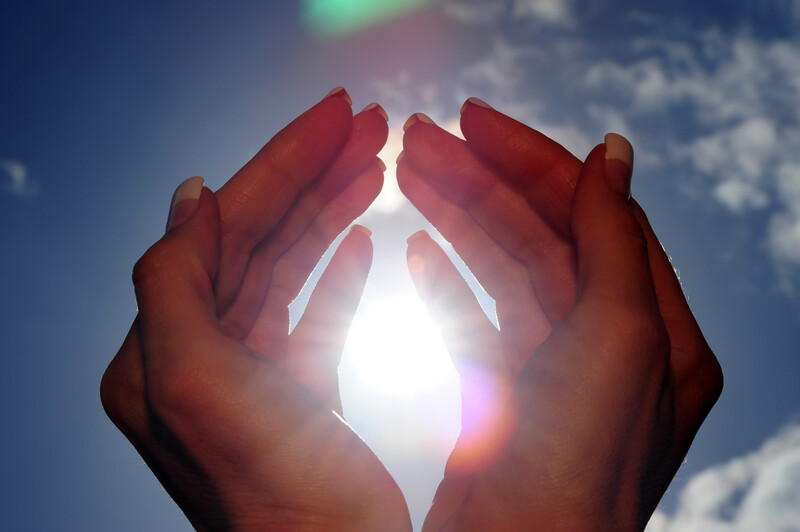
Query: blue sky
(106,107)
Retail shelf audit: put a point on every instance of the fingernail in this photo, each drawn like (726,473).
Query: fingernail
(417,117)
(619,164)
(475,101)
(381,164)
(184,201)
(360,229)
(416,236)
(341,92)
(380,110)
(399,157)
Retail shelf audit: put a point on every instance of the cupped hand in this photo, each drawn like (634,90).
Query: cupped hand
(579,410)
(237,417)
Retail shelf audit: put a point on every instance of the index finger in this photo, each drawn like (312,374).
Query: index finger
(540,168)
(255,199)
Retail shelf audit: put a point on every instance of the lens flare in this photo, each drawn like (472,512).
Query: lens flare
(336,17)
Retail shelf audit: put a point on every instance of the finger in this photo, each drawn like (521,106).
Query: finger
(173,283)
(472,341)
(523,323)
(257,196)
(616,285)
(293,268)
(540,168)
(368,136)
(697,371)
(448,165)
(316,344)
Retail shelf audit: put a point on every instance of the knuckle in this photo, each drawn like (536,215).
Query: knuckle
(150,267)
(118,392)
(712,378)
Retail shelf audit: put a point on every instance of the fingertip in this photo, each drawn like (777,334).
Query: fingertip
(184,201)
(417,118)
(473,101)
(416,236)
(376,107)
(618,168)
(360,229)
(340,92)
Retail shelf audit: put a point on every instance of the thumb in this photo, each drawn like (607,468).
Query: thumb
(613,266)
(173,279)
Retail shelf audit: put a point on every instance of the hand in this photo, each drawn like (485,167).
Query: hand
(584,411)
(234,415)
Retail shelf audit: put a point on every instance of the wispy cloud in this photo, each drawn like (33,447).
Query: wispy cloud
(557,12)
(758,491)
(739,97)
(545,12)
(15,179)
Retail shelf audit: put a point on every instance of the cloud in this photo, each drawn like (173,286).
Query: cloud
(715,106)
(544,12)
(735,96)
(758,491)
(16,180)
(556,12)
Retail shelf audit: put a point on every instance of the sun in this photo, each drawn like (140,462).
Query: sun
(397,349)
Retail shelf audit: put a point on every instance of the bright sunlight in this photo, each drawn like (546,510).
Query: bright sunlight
(397,348)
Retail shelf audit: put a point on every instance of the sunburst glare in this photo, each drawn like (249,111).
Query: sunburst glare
(397,349)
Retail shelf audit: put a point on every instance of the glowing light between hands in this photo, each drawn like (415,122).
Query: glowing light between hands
(397,349)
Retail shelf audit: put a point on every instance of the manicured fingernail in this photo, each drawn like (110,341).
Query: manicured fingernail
(380,110)
(339,91)
(475,101)
(416,235)
(184,201)
(399,157)
(381,164)
(417,117)
(360,229)
(619,164)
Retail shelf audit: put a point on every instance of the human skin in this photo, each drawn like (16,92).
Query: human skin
(240,420)
(598,379)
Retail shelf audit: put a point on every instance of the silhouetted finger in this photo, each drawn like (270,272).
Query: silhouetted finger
(541,169)
(316,344)
(617,293)
(292,269)
(256,198)
(449,166)
(474,345)
(697,371)
(522,321)
(368,136)
(174,291)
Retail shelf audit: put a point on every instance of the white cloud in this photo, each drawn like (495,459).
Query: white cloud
(738,98)
(543,12)
(556,12)
(758,491)
(720,102)
(16,180)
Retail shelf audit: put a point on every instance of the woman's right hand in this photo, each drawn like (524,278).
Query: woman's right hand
(579,410)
